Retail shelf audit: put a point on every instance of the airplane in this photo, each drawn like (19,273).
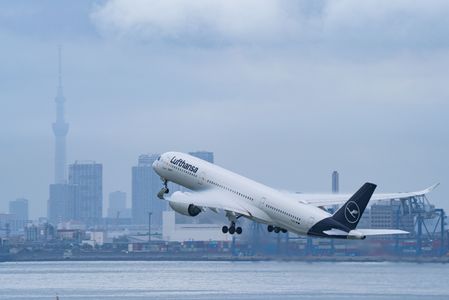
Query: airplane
(215,188)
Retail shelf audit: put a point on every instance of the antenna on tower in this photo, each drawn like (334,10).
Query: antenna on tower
(59,65)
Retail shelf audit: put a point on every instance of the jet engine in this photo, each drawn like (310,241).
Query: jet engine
(185,208)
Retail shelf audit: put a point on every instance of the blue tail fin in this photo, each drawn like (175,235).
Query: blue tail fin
(351,212)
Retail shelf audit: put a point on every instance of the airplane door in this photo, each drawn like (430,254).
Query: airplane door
(262,202)
(201,178)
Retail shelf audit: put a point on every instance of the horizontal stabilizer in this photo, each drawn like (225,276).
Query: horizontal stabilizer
(368,232)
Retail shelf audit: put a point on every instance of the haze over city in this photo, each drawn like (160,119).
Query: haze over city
(284,92)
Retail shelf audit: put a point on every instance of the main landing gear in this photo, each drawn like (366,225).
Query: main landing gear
(232,217)
(276,229)
(232,229)
(163,190)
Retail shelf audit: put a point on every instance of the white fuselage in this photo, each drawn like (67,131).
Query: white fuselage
(267,205)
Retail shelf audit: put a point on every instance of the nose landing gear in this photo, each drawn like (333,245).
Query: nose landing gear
(163,191)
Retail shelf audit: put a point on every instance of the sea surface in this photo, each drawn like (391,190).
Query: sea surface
(222,280)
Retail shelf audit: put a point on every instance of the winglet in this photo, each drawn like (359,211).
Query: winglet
(431,188)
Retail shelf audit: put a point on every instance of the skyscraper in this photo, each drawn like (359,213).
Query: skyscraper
(145,186)
(19,208)
(88,176)
(60,130)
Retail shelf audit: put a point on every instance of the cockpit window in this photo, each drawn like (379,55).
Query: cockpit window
(159,158)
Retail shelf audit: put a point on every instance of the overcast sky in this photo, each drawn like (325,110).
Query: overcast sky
(284,92)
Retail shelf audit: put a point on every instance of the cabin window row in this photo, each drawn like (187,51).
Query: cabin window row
(282,212)
(230,190)
(185,171)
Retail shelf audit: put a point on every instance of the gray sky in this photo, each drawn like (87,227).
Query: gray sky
(282,91)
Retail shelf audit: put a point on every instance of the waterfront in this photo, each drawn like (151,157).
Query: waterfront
(222,280)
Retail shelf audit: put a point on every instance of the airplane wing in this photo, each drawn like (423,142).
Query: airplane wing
(211,199)
(335,199)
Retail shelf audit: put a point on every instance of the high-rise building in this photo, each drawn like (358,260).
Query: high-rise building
(61,204)
(204,155)
(335,182)
(60,130)
(117,205)
(145,186)
(19,208)
(88,176)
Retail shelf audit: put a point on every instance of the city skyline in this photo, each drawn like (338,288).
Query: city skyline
(320,89)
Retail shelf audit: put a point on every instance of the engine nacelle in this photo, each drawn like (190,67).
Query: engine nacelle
(185,209)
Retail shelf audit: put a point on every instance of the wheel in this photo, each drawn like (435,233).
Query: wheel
(277,229)
(270,228)
(238,230)
(232,230)
(284,230)
(160,195)
(224,229)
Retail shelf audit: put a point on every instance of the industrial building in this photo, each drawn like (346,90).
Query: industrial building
(174,230)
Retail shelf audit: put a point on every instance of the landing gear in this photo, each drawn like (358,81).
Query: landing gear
(276,229)
(163,191)
(232,229)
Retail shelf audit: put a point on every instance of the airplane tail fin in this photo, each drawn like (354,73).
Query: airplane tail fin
(351,212)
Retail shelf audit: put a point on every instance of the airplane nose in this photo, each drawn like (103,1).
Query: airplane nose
(154,165)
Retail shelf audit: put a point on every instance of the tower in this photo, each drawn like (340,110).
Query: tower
(335,182)
(60,129)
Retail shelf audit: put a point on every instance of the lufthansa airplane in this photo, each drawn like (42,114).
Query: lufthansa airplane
(218,189)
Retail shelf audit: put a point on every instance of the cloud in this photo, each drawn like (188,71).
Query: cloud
(221,20)
(364,23)
(407,23)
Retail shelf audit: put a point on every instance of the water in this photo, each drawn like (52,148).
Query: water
(222,280)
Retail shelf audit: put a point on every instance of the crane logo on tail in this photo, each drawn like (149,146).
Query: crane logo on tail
(352,212)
